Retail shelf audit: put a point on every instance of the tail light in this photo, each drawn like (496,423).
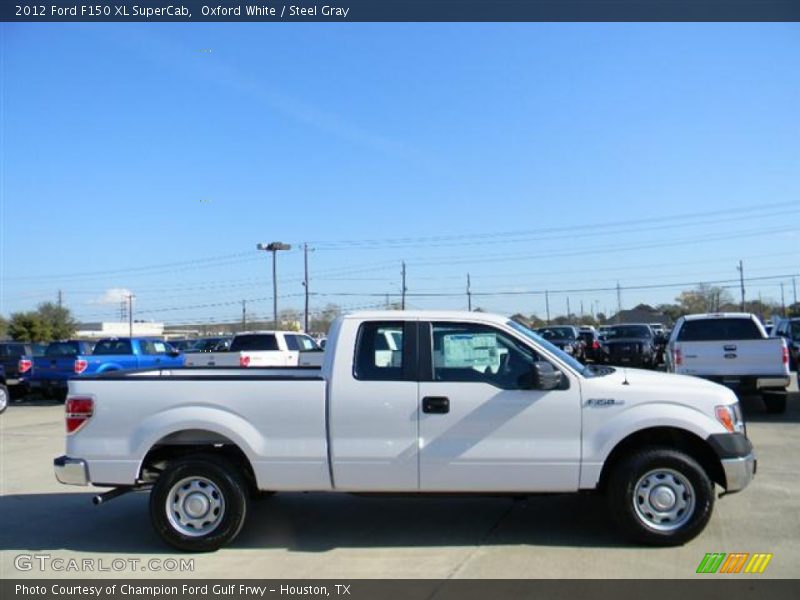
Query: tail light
(79,411)
(24,365)
(595,345)
(244,361)
(676,353)
(80,365)
(785,354)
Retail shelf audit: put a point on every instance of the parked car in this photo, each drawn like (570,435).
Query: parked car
(631,344)
(565,337)
(467,403)
(732,349)
(262,349)
(789,329)
(115,354)
(182,345)
(49,374)
(210,344)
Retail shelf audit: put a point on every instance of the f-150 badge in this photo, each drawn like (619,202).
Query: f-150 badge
(603,402)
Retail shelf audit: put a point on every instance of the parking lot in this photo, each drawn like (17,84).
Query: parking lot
(342,536)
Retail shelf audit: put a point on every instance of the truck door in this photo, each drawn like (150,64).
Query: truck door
(482,427)
(373,410)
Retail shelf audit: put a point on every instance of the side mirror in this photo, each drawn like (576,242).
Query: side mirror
(174,353)
(544,376)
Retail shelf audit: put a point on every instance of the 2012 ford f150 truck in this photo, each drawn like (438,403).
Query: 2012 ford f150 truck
(459,403)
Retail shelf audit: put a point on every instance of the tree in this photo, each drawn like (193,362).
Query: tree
(3,327)
(704,298)
(58,319)
(322,321)
(29,327)
(521,319)
(290,318)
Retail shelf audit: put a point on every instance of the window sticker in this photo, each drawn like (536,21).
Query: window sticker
(462,351)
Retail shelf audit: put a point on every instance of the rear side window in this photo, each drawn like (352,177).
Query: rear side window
(13,350)
(717,330)
(112,347)
(254,342)
(57,349)
(379,352)
(300,342)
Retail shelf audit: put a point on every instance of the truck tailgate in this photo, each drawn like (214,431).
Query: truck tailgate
(733,358)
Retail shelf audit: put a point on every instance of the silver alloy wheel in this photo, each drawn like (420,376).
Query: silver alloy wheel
(195,506)
(664,499)
(3,399)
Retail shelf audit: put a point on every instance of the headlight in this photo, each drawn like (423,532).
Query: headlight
(730,415)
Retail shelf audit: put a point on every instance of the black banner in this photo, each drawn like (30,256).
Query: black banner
(710,588)
(400,10)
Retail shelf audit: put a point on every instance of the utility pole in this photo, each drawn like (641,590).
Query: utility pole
(130,314)
(568,310)
(581,309)
(547,305)
(403,288)
(794,290)
(60,299)
(244,315)
(741,281)
(469,295)
(783,303)
(619,301)
(305,285)
(274,247)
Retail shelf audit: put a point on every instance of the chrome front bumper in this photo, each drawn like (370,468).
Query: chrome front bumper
(738,472)
(72,471)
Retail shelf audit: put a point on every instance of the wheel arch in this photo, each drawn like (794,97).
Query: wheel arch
(668,437)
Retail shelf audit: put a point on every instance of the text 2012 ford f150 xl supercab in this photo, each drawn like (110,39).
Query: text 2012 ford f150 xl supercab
(461,403)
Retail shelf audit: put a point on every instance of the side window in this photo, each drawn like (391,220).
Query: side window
(379,352)
(147,347)
(291,342)
(479,353)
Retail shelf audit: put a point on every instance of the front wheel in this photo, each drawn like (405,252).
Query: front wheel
(660,496)
(199,503)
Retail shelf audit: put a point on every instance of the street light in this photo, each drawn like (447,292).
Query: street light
(274,247)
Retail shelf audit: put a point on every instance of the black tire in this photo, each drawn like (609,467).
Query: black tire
(622,496)
(5,398)
(225,479)
(775,402)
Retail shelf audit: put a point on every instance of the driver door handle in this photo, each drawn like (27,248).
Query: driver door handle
(435,405)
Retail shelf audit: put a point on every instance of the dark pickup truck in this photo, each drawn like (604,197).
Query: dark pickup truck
(50,373)
(631,345)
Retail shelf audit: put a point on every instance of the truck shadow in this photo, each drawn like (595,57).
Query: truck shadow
(754,411)
(315,523)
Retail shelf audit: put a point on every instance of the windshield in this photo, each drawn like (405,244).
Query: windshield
(629,331)
(563,356)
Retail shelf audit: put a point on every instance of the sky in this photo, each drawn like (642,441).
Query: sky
(152,158)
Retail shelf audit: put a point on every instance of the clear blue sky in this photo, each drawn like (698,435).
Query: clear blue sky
(153,158)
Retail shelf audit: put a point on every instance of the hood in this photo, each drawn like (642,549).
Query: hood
(654,386)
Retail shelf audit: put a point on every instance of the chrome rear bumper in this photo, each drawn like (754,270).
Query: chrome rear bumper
(71,471)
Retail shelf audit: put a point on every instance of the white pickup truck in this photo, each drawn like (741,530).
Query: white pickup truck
(732,349)
(459,402)
(262,349)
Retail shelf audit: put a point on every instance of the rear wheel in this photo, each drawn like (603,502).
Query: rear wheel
(775,402)
(660,496)
(4,398)
(199,503)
